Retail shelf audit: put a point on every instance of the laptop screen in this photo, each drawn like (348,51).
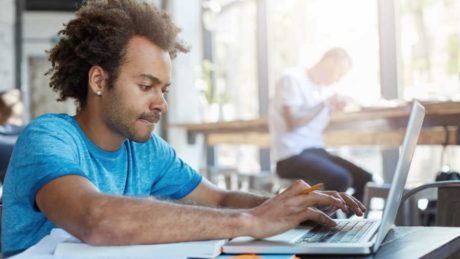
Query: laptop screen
(402,169)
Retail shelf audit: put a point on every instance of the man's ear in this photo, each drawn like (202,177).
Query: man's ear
(97,78)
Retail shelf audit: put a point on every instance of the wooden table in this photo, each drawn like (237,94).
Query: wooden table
(372,126)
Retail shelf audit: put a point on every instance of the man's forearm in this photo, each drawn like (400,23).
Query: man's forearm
(122,220)
(301,116)
(235,199)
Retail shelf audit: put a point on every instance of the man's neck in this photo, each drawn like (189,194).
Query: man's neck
(98,132)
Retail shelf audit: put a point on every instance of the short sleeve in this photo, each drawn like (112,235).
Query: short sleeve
(177,179)
(44,151)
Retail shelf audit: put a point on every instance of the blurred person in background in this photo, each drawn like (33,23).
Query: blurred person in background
(299,112)
(11,109)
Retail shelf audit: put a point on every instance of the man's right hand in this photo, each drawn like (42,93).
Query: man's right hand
(288,209)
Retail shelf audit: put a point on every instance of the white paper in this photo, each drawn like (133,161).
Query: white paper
(195,249)
(60,244)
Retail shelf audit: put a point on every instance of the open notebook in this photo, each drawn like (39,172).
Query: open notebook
(196,249)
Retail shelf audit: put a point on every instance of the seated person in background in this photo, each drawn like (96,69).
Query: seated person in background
(102,175)
(299,112)
(10,125)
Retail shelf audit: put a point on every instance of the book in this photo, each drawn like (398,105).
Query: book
(195,249)
(257,256)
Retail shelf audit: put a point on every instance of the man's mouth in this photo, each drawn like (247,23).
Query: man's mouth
(151,117)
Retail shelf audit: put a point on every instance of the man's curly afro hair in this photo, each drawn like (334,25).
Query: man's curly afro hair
(99,36)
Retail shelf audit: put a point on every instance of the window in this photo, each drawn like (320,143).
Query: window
(233,28)
(430,49)
(234,93)
(429,56)
(299,32)
(7,10)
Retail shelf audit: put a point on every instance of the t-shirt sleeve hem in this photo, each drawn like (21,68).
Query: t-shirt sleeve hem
(188,188)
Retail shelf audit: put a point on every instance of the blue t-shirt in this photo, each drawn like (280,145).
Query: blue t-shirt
(53,145)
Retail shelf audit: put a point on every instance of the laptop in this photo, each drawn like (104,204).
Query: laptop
(350,236)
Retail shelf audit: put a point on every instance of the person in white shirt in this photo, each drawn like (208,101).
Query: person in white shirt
(299,112)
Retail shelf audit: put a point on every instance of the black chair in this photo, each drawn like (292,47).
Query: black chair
(448,201)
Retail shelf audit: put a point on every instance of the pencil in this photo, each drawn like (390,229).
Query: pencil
(312,188)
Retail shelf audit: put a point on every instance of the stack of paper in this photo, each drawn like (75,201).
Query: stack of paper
(196,249)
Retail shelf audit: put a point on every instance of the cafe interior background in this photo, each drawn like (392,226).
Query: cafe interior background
(400,50)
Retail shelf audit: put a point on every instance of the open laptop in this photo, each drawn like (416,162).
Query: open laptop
(351,236)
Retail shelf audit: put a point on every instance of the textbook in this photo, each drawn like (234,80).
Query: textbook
(195,249)
(257,256)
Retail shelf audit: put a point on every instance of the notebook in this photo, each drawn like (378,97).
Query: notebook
(255,256)
(195,249)
(367,234)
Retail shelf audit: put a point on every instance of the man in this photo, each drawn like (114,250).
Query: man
(101,174)
(300,111)
(10,125)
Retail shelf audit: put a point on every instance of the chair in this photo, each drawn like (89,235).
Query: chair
(448,201)
(232,179)
(407,214)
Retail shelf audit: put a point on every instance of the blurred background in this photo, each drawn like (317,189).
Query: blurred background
(400,50)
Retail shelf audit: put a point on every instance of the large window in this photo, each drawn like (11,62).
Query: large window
(300,31)
(430,48)
(233,70)
(429,56)
(7,9)
(231,90)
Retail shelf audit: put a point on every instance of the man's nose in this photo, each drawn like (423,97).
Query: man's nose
(158,102)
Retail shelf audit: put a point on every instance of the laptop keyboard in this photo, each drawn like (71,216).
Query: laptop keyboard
(344,232)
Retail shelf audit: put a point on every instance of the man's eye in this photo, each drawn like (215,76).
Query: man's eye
(144,87)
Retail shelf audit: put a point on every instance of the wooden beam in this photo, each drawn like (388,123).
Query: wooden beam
(394,138)
(375,126)
(432,110)
(260,139)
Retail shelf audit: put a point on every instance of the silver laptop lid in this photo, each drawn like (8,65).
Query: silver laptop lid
(402,169)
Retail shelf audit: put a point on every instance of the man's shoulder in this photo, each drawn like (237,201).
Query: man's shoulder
(292,76)
(51,120)
(50,125)
(52,117)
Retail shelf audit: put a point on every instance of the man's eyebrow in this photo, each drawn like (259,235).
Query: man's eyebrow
(154,79)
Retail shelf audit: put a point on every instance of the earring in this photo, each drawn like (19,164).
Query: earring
(98,93)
